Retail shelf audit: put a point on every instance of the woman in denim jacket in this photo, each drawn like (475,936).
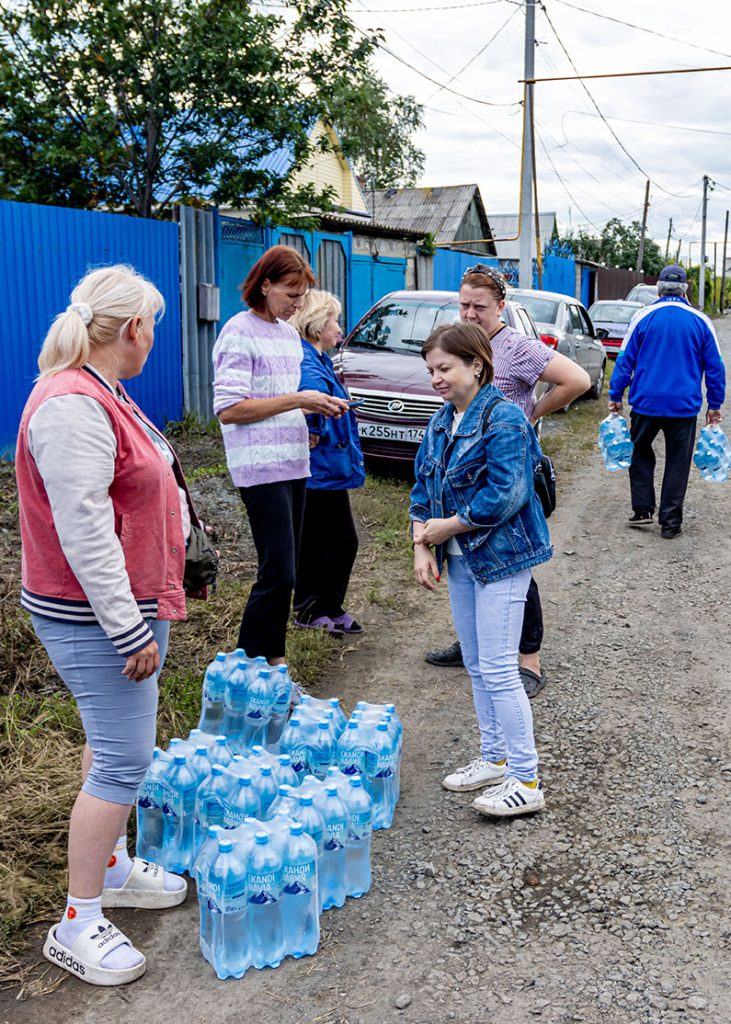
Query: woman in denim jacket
(474,504)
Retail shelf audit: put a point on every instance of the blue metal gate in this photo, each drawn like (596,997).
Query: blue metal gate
(372,278)
(44,250)
(242,243)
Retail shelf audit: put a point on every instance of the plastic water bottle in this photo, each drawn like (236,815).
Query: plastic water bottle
(280,708)
(210,804)
(214,689)
(312,821)
(220,752)
(321,750)
(351,751)
(293,743)
(267,789)
(201,868)
(242,802)
(234,706)
(615,442)
(199,763)
(150,817)
(264,889)
(227,899)
(358,847)
(179,792)
(285,802)
(381,776)
(284,772)
(300,901)
(713,454)
(332,876)
(259,705)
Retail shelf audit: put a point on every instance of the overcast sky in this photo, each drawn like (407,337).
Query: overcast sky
(469,141)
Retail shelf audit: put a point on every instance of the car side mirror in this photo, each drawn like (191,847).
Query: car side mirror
(601,332)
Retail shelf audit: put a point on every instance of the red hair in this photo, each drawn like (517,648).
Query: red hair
(277,263)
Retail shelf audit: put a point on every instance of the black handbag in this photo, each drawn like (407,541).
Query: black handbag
(544,481)
(201,561)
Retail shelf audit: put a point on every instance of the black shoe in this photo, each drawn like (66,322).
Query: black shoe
(640,519)
(450,657)
(668,532)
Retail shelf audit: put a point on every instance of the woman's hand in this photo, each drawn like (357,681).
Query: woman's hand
(325,405)
(425,567)
(438,531)
(314,441)
(142,664)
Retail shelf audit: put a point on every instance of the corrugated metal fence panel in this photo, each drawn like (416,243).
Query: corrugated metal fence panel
(450,265)
(559,275)
(242,243)
(199,240)
(44,250)
(332,272)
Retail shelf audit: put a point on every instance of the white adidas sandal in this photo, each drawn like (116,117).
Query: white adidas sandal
(144,889)
(84,958)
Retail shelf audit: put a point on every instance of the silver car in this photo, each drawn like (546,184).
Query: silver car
(564,324)
(643,293)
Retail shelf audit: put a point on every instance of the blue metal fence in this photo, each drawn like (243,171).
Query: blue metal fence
(44,250)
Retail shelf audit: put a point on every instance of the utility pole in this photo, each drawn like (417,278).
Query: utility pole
(641,251)
(525,276)
(713,283)
(677,254)
(723,265)
(670,231)
(702,270)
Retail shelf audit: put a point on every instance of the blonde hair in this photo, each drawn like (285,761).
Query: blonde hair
(317,310)
(103,303)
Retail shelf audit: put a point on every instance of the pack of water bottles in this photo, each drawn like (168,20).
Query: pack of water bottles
(615,442)
(272,817)
(712,454)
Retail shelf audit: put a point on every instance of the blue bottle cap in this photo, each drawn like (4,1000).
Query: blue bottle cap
(352,725)
(333,771)
(213,831)
(328,715)
(220,656)
(294,721)
(261,838)
(323,725)
(180,759)
(156,751)
(174,742)
(296,828)
(201,749)
(284,790)
(220,741)
(361,705)
(305,699)
(260,659)
(356,782)
(242,664)
(225,846)
(281,668)
(331,790)
(257,749)
(382,727)
(334,702)
(391,708)
(195,732)
(265,770)
(238,759)
(245,780)
(285,760)
(306,800)
(264,673)
(217,769)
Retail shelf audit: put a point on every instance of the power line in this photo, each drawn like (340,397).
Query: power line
(448,7)
(599,112)
(654,124)
(480,51)
(563,185)
(641,28)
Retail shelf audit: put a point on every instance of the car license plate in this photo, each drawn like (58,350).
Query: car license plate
(387,432)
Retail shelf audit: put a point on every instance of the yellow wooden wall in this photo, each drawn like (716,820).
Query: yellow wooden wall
(331,169)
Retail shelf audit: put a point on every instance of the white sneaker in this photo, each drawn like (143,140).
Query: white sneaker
(511,799)
(475,775)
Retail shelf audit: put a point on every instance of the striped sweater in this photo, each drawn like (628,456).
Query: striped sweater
(253,358)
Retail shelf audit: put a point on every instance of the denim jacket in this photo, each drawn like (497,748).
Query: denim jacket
(485,478)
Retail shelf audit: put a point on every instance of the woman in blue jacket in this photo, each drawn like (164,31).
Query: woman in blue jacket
(329,541)
(474,505)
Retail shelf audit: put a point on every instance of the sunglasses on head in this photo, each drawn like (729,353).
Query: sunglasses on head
(482,268)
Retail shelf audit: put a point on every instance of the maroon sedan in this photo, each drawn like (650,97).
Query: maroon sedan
(381,365)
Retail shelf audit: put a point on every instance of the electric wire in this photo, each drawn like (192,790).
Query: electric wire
(653,124)
(479,53)
(617,139)
(447,7)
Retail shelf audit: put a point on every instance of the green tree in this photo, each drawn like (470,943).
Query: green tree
(618,246)
(376,129)
(138,104)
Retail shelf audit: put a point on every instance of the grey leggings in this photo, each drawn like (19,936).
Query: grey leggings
(119,717)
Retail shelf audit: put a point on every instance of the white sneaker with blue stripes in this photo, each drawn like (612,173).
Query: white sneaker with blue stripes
(511,798)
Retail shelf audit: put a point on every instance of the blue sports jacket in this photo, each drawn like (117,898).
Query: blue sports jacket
(336,462)
(484,475)
(667,349)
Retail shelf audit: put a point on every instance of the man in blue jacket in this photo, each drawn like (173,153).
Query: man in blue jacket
(668,348)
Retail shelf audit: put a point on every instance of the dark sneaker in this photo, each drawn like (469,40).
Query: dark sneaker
(640,519)
(668,532)
(322,622)
(450,657)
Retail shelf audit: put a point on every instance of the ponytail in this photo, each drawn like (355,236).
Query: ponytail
(103,304)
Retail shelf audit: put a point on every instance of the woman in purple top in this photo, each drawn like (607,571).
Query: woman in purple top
(256,362)
(519,363)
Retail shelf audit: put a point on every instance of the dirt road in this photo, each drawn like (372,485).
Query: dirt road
(611,907)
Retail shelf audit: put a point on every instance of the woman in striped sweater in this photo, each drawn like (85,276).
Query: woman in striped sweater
(256,362)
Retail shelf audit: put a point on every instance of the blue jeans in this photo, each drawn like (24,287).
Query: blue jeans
(119,716)
(488,619)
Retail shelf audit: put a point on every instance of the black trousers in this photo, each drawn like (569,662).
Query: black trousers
(531,637)
(327,553)
(275,516)
(679,434)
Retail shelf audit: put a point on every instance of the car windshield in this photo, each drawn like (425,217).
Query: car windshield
(642,294)
(614,313)
(401,326)
(544,311)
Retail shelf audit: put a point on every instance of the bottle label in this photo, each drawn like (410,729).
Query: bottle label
(298,756)
(359,825)
(264,887)
(352,762)
(230,900)
(319,764)
(380,766)
(299,879)
(169,798)
(335,835)
(236,697)
(149,795)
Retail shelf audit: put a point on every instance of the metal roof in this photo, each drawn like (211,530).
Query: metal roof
(438,210)
(504,225)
